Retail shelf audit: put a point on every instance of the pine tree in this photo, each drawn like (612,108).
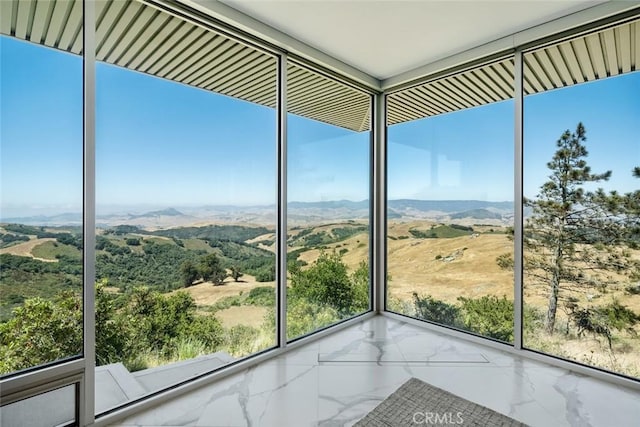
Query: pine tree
(566,225)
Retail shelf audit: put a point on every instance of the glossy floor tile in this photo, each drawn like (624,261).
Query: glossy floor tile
(336,380)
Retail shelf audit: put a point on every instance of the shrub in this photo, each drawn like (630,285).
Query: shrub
(113,333)
(633,289)
(132,241)
(9,238)
(240,339)
(461,227)
(262,296)
(327,282)
(505,261)
(489,316)
(418,234)
(41,331)
(590,320)
(437,311)
(304,316)
(141,329)
(601,320)
(618,316)
(266,274)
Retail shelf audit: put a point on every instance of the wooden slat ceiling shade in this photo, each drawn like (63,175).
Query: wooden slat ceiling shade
(140,37)
(598,55)
(479,86)
(605,53)
(312,95)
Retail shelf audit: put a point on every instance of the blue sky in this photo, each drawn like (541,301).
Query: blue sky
(159,143)
(162,144)
(453,156)
(40,128)
(469,154)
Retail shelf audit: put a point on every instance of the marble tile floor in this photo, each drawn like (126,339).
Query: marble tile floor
(336,380)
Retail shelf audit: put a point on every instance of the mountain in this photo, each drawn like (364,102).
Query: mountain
(69,218)
(163,212)
(330,204)
(476,213)
(448,206)
(299,213)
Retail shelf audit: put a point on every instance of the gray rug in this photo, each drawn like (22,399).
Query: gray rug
(417,403)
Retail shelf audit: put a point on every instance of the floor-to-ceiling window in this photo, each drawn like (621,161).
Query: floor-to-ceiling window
(450,201)
(187,206)
(41,217)
(581,181)
(186,201)
(41,200)
(328,176)
(581,159)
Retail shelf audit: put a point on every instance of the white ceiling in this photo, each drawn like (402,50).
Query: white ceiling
(384,38)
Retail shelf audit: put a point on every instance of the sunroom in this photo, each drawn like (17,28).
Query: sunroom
(277,213)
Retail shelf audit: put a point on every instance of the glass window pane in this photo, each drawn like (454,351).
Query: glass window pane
(328,146)
(581,159)
(53,408)
(450,202)
(41,165)
(186,196)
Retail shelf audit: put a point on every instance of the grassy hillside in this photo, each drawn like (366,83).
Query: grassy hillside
(323,235)
(457,263)
(53,250)
(23,277)
(441,231)
(444,261)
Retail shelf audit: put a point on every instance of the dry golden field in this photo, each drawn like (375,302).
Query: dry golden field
(416,265)
(25,248)
(247,315)
(206,293)
(423,266)
(413,267)
(444,268)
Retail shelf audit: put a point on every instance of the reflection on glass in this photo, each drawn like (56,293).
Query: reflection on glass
(328,208)
(450,215)
(52,408)
(186,192)
(41,203)
(581,186)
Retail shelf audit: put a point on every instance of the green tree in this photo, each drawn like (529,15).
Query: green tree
(189,272)
(360,284)
(571,240)
(211,269)
(113,332)
(129,327)
(236,273)
(163,319)
(158,317)
(326,282)
(630,207)
(429,308)
(488,315)
(41,331)
(303,317)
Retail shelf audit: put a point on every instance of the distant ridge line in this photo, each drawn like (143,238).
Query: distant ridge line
(342,208)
